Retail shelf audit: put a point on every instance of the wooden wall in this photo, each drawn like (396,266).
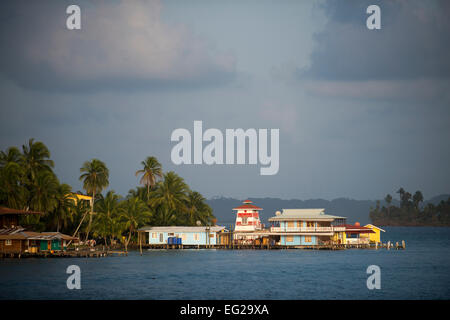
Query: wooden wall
(17,246)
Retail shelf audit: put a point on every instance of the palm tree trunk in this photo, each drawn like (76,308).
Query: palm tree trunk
(90,216)
(79,225)
(127,242)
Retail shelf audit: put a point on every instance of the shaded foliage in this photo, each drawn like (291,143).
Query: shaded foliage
(27,182)
(410,212)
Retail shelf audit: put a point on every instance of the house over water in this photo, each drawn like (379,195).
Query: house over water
(304,227)
(189,236)
(14,239)
(247,222)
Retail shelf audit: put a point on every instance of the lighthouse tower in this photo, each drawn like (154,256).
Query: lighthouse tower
(247,217)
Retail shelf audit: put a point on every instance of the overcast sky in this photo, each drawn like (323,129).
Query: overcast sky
(361,112)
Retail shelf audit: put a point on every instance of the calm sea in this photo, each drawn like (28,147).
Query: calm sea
(422,271)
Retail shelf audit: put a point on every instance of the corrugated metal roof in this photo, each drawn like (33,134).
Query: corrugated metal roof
(175,229)
(291,214)
(18,233)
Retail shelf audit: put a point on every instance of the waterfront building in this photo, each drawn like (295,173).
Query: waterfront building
(374,237)
(14,239)
(248,224)
(197,235)
(306,227)
(353,234)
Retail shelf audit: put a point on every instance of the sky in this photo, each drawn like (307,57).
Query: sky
(361,112)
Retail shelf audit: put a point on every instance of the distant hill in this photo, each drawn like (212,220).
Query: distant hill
(354,210)
(436,200)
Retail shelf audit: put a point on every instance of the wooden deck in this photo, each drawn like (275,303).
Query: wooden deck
(64,254)
(105,253)
(388,245)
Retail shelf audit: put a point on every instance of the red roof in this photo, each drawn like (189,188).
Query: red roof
(247,206)
(5,210)
(350,228)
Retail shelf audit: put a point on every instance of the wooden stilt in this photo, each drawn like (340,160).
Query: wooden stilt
(140,242)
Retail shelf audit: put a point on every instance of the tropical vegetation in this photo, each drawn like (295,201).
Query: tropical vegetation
(411,211)
(28,182)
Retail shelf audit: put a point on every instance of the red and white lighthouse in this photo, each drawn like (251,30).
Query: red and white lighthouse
(247,217)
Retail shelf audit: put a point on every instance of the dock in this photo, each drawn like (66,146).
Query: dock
(65,254)
(237,246)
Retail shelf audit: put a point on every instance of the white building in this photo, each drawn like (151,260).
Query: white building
(247,221)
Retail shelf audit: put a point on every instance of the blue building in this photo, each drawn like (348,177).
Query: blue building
(189,235)
(305,227)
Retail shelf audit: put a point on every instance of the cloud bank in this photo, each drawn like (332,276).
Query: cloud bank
(407,57)
(122,44)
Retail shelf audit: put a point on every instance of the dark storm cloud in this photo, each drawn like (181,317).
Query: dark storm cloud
(121,45)
(413,42)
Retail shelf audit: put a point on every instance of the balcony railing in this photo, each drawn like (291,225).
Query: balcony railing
(307,229)
(358,241)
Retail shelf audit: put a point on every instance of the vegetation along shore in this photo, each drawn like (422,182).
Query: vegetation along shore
(163,198)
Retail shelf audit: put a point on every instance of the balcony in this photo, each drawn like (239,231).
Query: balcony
(306,229)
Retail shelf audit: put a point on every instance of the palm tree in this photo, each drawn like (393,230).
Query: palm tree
(12,154)
(417,199)
(138,192)
(107,210)
(133,213)
(95,177)
(197,209)
(162,216)
(172,192)
(12,191)
(36,157)
(44,190)
(65,205)
(151,171)
(388,200)
(80,210)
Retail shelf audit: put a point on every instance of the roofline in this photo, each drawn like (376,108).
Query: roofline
(284,218)
(150,228)
(369,224)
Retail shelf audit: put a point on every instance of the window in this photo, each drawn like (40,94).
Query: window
(244,220)
(196,236)
(290,224)
(183,236)
(161,237)
(8,242)
(308,239)
(154,235)
(289,239)
(211,235)
(310,224)
(299,224)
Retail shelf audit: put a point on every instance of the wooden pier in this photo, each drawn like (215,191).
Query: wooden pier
(233,246)
(237,246)
(65,254)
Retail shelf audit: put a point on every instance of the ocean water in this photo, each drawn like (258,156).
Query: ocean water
(422,271)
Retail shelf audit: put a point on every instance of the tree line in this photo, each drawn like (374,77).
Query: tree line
(27,182)
(411,211)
